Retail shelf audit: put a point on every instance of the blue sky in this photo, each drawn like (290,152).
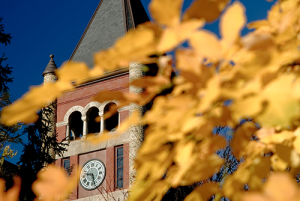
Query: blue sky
(40,28)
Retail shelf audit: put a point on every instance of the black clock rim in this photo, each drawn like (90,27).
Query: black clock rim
(95,159)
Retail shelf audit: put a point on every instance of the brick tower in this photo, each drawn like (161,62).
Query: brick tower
(108,169)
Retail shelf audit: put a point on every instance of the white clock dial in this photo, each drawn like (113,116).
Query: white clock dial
(92,174)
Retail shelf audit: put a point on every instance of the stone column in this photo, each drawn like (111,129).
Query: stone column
(68,132)
(101,122)
(136,133)
(84,132)
(119,120)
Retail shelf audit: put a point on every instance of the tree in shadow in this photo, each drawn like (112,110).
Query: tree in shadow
(8,134)
(38,152)
(4,37)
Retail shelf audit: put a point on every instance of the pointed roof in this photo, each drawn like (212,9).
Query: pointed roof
(51,66)
(111,20)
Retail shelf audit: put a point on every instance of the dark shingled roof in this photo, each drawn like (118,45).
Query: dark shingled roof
(111,20)
(51,66)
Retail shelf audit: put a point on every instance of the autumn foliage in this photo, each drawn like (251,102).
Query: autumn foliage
(220,82)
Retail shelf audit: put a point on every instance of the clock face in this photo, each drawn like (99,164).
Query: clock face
(92,174)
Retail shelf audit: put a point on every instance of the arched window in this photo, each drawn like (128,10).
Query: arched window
(75,125)
(112,122)
(93,126)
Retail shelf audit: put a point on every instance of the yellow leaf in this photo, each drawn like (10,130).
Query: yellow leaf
(184,154)
(257,24)
(279,187)
(174,36)
(188,60)
(71,71)
(134,40)
(203,192)
(277,138)
(154,165)
(217,142)
(259,39)
(11,194)
(278,164)
(246,108)
(256,148)
(191,123)
(205,130)
(64,86)
(166,12)
(261,167)
(232,22)
(283,105)
(268,77)
(184,159)
(241,138)
(274,16)
(296,144)
(96,71)
(210,94)
(53,184)
(210,145)
(202,169)
(133,119)
(206,9)
(265,132)
(207,44)
(24,110)
(288,19)
(149,81)
(288,155)
(254,196)
(136,45)
(233,186)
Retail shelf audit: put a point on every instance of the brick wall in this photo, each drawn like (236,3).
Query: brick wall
(110,169)
(126,165)
(84,94)
(57,162)
(123,115)
(61,133)
(74,163)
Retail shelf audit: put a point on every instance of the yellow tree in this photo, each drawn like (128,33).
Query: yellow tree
(258,72)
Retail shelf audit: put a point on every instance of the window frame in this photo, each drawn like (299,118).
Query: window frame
(63,165)
(116,167)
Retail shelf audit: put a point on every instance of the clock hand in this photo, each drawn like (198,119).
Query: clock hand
(94,179)
(92,176)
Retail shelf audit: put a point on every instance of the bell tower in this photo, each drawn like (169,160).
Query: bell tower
(108,166)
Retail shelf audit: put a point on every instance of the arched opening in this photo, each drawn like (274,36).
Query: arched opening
(93,126)
(75,125)
(112,122)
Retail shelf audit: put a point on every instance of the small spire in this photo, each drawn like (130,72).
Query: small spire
(51,66)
